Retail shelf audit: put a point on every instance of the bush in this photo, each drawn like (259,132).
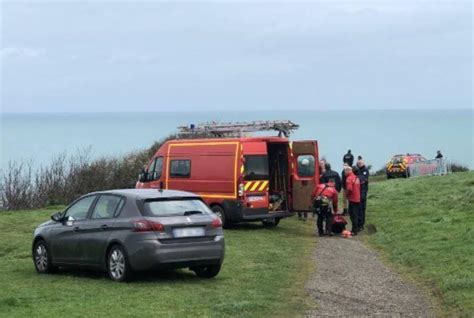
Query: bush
(455,167)
(380,172)
(69,177)
(16,186)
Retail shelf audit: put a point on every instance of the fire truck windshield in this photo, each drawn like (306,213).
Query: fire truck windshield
(256,167)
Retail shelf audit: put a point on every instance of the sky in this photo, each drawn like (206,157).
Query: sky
(162,56)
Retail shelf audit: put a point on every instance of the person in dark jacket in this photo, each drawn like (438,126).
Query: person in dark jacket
(344,196)
(348,158)
(363,174)
(331,175)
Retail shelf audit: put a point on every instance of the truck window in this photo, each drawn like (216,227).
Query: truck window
(306,166)
(256,167)
(154,173)
(180,168)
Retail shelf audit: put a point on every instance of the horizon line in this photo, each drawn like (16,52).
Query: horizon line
(230,111)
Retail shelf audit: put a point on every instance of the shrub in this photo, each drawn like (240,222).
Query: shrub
(68,177)
(456,167)
(380,172)
(16,186)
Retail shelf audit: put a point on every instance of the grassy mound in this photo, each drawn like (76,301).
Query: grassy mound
(426,228)
(263,275)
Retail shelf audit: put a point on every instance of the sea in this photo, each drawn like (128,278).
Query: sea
(376,135)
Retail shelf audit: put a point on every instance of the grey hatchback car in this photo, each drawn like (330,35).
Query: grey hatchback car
(123,231)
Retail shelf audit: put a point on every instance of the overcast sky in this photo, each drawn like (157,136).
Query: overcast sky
(124,56)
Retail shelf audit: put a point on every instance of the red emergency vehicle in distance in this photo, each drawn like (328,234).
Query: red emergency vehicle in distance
(240,178)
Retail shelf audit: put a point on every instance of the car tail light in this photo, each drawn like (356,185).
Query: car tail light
(241,190)
(147,226)
(216,223)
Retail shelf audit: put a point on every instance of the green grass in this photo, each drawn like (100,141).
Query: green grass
(263,275)
(426,228)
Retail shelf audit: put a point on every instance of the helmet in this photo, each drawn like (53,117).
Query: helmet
(346,234)
(305,162)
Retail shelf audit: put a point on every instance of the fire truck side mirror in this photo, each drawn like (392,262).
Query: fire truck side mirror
(142,176)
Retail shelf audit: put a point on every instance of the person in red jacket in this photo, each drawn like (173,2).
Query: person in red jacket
(353,196)
(325,205)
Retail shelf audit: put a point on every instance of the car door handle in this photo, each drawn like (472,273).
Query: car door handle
(104,227)
(76,228)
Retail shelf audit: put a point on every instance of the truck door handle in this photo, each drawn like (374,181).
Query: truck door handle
(103,227)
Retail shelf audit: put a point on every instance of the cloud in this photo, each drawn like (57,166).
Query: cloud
(21,53)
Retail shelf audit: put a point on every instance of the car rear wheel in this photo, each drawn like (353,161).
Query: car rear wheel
(271,222)
(117,264)
(42,258)
(209,271)
(219,211)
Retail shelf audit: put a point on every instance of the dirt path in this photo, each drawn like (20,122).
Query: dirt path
(351,281)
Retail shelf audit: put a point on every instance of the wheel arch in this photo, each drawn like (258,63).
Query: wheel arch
(107,250)
(48,247)
(36,240)
(213,204)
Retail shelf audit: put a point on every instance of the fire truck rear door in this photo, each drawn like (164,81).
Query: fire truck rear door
(305,173)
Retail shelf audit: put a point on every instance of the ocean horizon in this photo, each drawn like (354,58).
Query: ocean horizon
(374,134)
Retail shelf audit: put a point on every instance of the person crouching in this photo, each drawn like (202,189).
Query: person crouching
(324,205)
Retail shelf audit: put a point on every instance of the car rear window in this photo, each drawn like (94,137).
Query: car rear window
(177,207)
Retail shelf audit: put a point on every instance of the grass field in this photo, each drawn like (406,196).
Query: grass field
(426,228)
(263,275)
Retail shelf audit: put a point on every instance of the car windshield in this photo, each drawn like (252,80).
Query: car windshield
(398,159)
(177,207)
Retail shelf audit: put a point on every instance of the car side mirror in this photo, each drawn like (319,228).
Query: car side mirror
(58,216)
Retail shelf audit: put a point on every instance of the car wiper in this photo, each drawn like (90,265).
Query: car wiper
(192,212)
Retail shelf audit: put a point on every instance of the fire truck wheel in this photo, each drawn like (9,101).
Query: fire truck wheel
(219,211)
(271,222)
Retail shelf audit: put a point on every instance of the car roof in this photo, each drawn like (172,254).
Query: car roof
(143,194)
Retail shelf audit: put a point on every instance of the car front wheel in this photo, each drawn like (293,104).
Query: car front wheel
(209,271)
(117,264)
(42,258)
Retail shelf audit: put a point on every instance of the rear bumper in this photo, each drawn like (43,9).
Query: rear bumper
(236,212)
(152,254)
(397,174)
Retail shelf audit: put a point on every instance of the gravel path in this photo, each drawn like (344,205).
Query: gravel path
(350,281)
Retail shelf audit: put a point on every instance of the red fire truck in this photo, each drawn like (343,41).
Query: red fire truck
(240,178)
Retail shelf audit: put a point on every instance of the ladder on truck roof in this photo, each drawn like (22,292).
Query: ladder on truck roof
(238,129)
